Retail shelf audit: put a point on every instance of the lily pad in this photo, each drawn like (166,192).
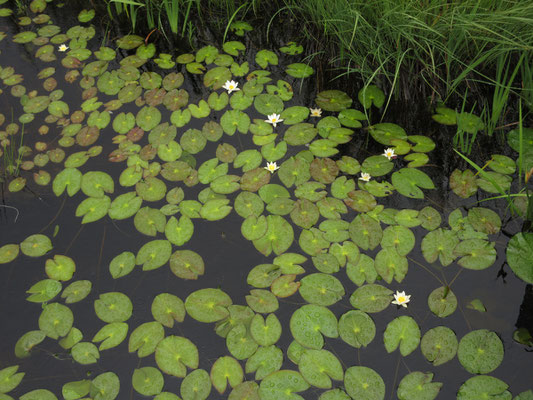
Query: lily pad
(357,328)
(418,386)
(404,332)
(196,385)
(318,367)
(519,255)
(174,354)
(36,245)
(475,254)
(439,345)
(8,253)
(154,254)
(208,305)
(111,335)
(283,385)
(364,383)
(167,308)
(442,302)
(113,307)
(333,100)
(371,298)
(145,338)
(55,320)
(310,322)
(299,70)
(480,351)
(408,182)
(488,387)
(147,381)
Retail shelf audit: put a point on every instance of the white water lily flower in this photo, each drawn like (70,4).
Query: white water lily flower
(274,119)
(389,153)
(365,176)
(271,167)
(401,299)
(231,86)
(315,112)
(63,47)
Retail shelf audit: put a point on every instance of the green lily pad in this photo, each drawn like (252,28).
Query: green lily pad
(27,341)
(61,268)
(365,232)
(350,118)
(439,345)
(278,237)
(154,254)
(262,301)
(105,386)
(364,383)
(445,115)
(494,182)
(377,166)
(145,338)
(9,378)
(321,289)
(96,183)
(55,320)
(385,132)
(36,245)
(208,305)
(418,386)
(389,264)
(357,328)
(502,164)
(333,100)
(73,337)
(294,115)
(174,354)
(484,220)
(44,291)
(167,308)
(38,394)
(440,244)
(400,238)
(267,331)
(113,307)
(475,254)
(111,335)
(76,291)
(469,123)
(264,361)
(371,95)
(404,332)
(215,209)
(408,182)
(265,57)
(147,381)
(318,367)
(299,70)
(442,302)
(239,340)
(8,253)
(282,385)
(371,298)
(519,255)
(309,322)
(226,370)
(196,385)
(480,351)
(484,387)
(267,104)
(125,206)
(76,390)
(151,189)
(93,209)
(187,264)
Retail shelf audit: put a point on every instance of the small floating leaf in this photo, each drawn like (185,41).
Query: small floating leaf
(36,245)
(357,328)
(442,302)
(283,385)
(418,386)
(208,305)
(519,255)
(145,338)
(484,387)
(404,332)
(439,345)
(310,322)
(321,289)
(27,341)
(174,354)
(167,308)
(111,335)
(113,307)
(333,100)
(154,254)
(371,298)
(55,320)
(8,253)
(76,291)
(226,370)
(364,383)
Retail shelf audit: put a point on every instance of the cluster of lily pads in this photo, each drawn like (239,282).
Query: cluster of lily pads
(317,218)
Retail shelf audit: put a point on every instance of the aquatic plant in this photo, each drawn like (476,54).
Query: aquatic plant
(188,158)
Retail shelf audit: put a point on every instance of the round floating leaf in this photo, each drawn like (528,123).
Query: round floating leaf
(264,361)
(475,254)
(85,353)
(147,381)
(76,390)
(484,387)
(262,301)
(208,305)
(519,255)
(61,268)
(318,367)
(480,351)
(27,341)
(10,379)
(44,291)
(154,254)
(262,275)
(167,308)
(179,232)
(186,264)
(36,245)
(310,322)
(196,385)
(283,385)
(300,134)
(364,383)
(76,291)
(333,100)
(92,209)
(267,104)
(253,227)
(439,244)
(151,189)
(265,57)
(111,335)
(442,302)
(418,386)
(357,328)
(350,118)
(284,286)
(321,289)
(365,232)
(55,320)
(122,264)
(384,133)
(294,115)
(113,307)
(369,95)
(38,394)
(371,298)
(125,206)
(145,338)
(404,332)
(8,253)
(239,341)
(265,332)
(389,264)
(439,345)
(226,370)
(105,386)
(400,238)
(74,336)
(430,218)
(408,182)
(278,237)
(299,70)
(494,182)
(484,220)
(174,354)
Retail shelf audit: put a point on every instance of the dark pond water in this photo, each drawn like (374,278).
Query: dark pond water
(229,257)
